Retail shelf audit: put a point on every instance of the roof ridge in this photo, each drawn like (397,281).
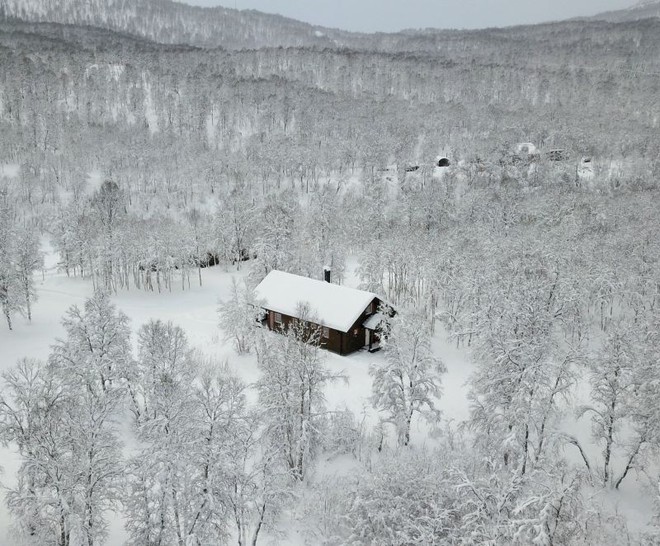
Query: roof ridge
(336,306)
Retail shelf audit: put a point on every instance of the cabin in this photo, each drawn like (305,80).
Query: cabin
(527,148)
(558,155)
(526,152)
(348,318)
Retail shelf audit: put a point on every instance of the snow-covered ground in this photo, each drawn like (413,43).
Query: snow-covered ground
(9,170)
(195,310)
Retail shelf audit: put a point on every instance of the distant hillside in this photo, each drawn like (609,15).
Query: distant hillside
(170,22)
(165,21)
(643,10)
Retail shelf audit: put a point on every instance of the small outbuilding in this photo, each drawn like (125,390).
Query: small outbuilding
(525,153)
(348,318)
(558,155)
(443,162)
(526,148)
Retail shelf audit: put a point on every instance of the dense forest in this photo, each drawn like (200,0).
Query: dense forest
(146,152)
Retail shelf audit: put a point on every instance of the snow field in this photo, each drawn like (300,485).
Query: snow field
(195,310)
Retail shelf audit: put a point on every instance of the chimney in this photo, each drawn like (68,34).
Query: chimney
(326,274)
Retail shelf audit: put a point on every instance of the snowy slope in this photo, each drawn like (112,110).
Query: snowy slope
(642,10)
(165,21)
(170,22)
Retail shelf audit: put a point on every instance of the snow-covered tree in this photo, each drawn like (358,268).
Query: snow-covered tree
(654,533)
(257,481)
(344,434)
(20,257)
(274,245)
(525,367)
(96,350)
(189,416)
(238,317)
(33,417)
(62,415)
(10,289)
(545,506)
(92,360)
(29,259)
(612,382)
(405,499)
(623,407)
(291,388)
(107,211)
(235,225)
(200,235)
(220,421)
(408,381)
(165,367)
(160,476)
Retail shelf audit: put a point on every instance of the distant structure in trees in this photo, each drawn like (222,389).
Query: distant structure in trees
(558,155)
(443,162)
(412,168)
(348,318)
(525,153)
(526,148)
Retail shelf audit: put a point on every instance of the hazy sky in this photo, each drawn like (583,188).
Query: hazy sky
(389,15)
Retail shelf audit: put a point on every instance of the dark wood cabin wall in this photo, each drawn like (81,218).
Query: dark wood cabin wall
(342,343)
(332,343)
(353,342)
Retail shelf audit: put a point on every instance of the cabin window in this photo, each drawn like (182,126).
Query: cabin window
(325,332)
(356,332)
(370,308)
(277,317)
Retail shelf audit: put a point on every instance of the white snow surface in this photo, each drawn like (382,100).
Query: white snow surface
(334,306)
(9,170)
(94,181)
(373,321)
(644,4)
(526,147)
(195,310)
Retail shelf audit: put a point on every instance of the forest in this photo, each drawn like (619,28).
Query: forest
(141,161)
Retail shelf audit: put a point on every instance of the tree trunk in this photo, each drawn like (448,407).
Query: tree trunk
(523,470)
(28,302)
(5,308)
(609,439)
(629,464)
(177,519)
(262,515)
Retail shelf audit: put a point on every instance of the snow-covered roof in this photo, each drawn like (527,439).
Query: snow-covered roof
(373,321)
(334,306)
(526,147)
